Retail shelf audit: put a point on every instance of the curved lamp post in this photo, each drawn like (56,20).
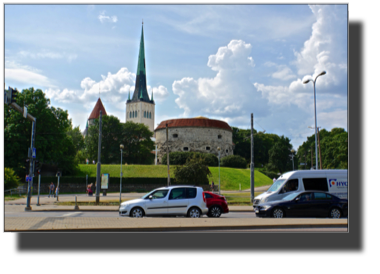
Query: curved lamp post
(121,168)
(315,116)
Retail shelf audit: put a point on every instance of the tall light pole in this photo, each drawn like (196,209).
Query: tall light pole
(252,164)
(219,168)
(315,116)
(121,168)
(319,145)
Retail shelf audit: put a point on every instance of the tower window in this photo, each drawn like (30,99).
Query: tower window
(219,136)
(185,149)
(208,148)
(175,135)
(135,113)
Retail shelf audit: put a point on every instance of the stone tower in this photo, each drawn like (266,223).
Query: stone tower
(141,108)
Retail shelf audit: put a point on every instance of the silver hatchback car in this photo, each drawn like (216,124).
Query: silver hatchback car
(173,200)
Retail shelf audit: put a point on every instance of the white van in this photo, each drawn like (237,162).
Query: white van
(331,181)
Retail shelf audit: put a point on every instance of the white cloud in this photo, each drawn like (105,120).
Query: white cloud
(229,94)
(326,49)
(26,75)
(103,18)
(160,93)
(48,54)
(283,73)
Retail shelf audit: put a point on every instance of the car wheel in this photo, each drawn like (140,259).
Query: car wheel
(335,213)
(278,213)
(194,213)
(214,212)
(137,212)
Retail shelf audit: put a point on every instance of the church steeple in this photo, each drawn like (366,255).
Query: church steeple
(141,93)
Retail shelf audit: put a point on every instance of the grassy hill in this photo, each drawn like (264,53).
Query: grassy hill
(230,178)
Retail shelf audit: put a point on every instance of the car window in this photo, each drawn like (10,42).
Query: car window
(191,192)
(159,194)
(177,193)
(315,184)
(306,197)
(321,196)
(291,185)
(208,195)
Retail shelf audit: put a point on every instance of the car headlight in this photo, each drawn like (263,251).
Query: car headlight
(265,207)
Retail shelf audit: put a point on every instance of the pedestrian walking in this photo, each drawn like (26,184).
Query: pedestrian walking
(212,186)
(51,189)
(93,161)
(86,161)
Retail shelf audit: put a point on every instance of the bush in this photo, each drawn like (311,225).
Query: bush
(235,161)
(194,172)
(11,180)
(180,158)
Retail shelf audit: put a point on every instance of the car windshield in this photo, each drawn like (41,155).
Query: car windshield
(147,195)
(290,196)
(276,185)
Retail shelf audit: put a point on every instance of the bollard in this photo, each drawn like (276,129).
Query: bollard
(76,206)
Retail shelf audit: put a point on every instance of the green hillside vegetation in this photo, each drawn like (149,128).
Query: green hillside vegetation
(230,178)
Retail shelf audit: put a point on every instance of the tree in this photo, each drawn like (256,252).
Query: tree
(77,138)
(52,143)
(11,180)
(279,154)
(194,172)
(136,139)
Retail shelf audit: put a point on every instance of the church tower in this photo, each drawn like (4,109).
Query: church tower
(140,109)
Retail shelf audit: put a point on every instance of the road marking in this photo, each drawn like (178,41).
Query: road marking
(70,214)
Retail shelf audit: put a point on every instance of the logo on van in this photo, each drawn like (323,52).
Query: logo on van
(335,182)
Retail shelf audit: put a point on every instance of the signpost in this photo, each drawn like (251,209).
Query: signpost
(105,182)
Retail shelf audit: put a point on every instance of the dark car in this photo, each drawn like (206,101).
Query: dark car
(305,204)
(217,204)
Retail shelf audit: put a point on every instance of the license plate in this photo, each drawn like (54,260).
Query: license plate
(256,211)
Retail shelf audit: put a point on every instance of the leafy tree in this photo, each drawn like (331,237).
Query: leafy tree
(279,154)
(77,137)
(194,172)
(136,139)
(334,149)
(11,180)
(52,143)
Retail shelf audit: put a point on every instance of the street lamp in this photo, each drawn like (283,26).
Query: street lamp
(121,168)
(315,116)
(292,156)
(319,145)
(219,167)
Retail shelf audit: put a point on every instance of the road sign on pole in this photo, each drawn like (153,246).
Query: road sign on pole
(25,113)
(34,153)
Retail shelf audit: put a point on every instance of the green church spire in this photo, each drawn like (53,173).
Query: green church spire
(141,92)
(152,96)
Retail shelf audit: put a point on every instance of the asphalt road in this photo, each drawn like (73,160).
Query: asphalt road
(105,214)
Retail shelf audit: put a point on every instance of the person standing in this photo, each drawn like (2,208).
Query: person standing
(212,186)
(51,189)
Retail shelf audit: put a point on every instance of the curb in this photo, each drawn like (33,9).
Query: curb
(183,228)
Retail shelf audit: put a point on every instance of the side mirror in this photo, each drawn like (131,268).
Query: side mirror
(297,199)
(150,197)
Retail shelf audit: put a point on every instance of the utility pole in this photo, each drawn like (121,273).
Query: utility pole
(98,167)
(10,99)
(252,164)
(167,152)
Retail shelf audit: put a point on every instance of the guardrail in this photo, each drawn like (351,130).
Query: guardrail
(19,191)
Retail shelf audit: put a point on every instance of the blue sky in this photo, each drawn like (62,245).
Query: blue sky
(219,61)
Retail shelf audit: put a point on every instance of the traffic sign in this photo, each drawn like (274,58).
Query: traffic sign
(302,164)
(34,153)
(25,113)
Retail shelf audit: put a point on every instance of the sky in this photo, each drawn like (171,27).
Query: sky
(219,61)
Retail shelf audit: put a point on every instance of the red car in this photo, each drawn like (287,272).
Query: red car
(217,204)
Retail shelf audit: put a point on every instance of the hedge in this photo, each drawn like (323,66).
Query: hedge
(234,161)
(113,180)
(179,158)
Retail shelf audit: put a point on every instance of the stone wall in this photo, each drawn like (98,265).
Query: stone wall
(197,139)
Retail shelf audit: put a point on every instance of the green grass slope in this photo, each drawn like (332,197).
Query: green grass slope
(230,178)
